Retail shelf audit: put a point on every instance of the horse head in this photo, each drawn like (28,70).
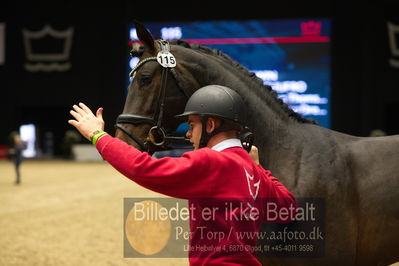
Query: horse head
(155,95)
(159,91)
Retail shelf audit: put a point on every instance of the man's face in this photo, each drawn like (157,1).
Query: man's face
(195,130)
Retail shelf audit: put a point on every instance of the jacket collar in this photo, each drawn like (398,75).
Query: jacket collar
(228,143)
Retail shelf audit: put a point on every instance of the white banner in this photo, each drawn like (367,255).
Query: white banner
(2,43)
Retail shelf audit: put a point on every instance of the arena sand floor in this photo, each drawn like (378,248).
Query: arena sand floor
(66,213)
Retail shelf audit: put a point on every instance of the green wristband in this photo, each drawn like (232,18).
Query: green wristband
(97,136)
(94,133)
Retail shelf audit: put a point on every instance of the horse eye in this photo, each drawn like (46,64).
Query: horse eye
(145,80)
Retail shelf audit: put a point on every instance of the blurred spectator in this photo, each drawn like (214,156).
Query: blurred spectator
(15,152)
(71,137)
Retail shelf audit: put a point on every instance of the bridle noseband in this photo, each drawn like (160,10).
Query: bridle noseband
(157,135)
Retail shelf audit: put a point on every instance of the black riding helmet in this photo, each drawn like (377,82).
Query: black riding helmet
(216,101)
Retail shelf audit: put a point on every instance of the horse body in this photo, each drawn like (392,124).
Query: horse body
(375,170)
(359,180)
(357,177)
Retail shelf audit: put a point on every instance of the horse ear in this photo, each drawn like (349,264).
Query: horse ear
(144,36)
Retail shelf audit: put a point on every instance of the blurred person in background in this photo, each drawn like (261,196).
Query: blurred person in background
(71,138)
(15,152)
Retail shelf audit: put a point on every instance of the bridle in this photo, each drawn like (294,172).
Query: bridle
(157,135)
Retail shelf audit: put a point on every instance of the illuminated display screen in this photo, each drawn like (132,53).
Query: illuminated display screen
(28,135)
(292,56)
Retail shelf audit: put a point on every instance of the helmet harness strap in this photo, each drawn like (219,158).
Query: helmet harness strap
(205,136)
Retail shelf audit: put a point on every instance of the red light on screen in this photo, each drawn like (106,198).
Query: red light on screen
(311,28)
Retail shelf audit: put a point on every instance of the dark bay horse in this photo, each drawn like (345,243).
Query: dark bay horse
(357,176)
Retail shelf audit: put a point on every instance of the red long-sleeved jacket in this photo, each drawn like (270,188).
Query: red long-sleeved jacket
(227,181)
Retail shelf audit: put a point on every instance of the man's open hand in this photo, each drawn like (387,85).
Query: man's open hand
(85,121)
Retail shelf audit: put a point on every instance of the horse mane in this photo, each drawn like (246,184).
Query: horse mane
(137,50)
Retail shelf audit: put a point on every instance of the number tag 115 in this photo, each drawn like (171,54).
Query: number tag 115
(166,59)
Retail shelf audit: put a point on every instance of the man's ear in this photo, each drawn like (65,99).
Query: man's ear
(211,124)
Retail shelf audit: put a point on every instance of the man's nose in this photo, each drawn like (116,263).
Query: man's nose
(188,134)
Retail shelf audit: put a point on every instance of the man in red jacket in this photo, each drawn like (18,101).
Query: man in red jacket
(218,176)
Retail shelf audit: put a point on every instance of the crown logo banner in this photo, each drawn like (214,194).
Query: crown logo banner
(393,38)
(311,28)
(47,49)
